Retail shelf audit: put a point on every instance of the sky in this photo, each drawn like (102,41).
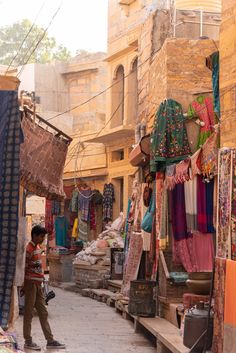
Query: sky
(80,24)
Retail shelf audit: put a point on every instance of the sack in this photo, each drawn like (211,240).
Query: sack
(147,195)
(148,217)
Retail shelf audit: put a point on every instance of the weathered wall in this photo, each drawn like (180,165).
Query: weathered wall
(228,73)
(177,71)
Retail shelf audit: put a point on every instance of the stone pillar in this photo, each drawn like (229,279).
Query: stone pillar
(228,73)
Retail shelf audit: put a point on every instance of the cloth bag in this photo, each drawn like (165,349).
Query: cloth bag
(148,217)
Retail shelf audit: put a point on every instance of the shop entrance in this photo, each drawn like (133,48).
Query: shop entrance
(119,196)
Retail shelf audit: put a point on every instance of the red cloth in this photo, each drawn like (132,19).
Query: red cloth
(49,224)
(204,251)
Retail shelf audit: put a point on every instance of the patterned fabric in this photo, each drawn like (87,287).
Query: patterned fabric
(203,109)
(170,177)
(178,213)
(84,200)
(230,308)
(233,213)
(92,217)
(219,299)
(56,207)
(133,261)
(42,161)
(224,204)
(108,199)
(209,156)
(196,163)
(169,141)
(74,201)
(83,228)
(9,196)
(182,171)
(33,263)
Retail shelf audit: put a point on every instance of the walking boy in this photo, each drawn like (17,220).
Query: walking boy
(32,289)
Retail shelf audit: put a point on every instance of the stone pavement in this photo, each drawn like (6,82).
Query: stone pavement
(87,326)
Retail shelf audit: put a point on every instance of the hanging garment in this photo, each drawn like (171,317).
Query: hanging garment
(190,193)
(183,253)
(230,308)
(219,300)
(196,163)
(108,199)
(84,200)
(56,207)
(178,212)
(61,228)
(49,223)
(209,156)
(92,217)
(10,138)
(203,248)
(215,81)
(83,228)
(75,229)
(201,206)
(182,171)
(164,229)
(209,206)
(74,202)
(20,252)
(170,177)
(203,109)
(169,141)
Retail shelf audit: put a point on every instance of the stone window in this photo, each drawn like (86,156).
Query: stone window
(117,97)
(133,93)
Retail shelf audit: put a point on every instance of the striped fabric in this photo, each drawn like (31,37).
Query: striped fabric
(33,265)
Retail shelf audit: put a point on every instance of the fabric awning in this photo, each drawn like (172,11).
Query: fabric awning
(42,160)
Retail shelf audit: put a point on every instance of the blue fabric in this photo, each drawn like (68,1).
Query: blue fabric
(10,136)
(61,227)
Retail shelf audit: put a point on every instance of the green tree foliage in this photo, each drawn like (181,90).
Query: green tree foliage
(11,38)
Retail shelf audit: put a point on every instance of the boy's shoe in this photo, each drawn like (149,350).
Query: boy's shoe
(55,345)
(32,346)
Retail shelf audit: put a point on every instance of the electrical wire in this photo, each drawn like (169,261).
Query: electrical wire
(40,39)
(24,39)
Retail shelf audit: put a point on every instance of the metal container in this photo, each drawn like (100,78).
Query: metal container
(195,323)
(142,301)
(205,5)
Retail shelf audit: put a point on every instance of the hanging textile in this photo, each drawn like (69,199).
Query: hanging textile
(233,213)
(230,308)
(108,199)
(84,200)
(224,204)
(182,243)
(169,141)
(164,229)
(74,202)
(42,160)
(201,205)
(83,228)
(56,207)
(190,193)
(203,248)
(209,156)
(20,251)
(133,261)
(203,109)
(61,228)
(196,163)
(213,64)
(10,139)
(209,206)
(219,298)
(49,223)
(75,229)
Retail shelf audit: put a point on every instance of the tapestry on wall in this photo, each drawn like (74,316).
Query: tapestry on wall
(42,160)
(224,203)
(10,138)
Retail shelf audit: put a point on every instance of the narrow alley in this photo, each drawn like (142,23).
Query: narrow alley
(87,326)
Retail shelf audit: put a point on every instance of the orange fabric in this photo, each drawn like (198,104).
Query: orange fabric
(230,293)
